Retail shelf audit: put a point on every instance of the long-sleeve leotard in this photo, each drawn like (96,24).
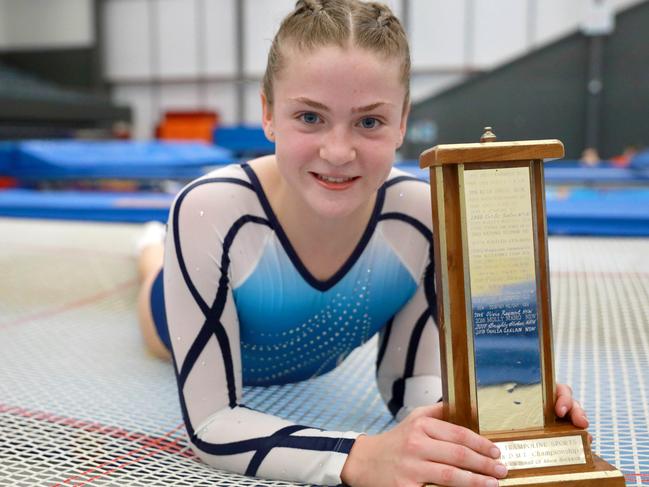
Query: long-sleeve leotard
(242,309)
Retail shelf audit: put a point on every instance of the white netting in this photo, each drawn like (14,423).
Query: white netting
(600,293)
(82,403)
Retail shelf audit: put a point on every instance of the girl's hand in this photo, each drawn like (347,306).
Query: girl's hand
(423,449)
(567,406)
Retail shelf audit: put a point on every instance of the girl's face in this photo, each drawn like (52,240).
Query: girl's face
(337,120)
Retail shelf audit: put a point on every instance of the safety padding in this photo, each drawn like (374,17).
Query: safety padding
(55,160)
(243,140)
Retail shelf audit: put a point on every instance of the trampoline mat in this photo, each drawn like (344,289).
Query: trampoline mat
(82,403)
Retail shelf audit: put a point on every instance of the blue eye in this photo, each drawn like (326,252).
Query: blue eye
(369,123)
(310,118)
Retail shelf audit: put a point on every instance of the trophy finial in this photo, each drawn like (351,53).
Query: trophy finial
(488,135)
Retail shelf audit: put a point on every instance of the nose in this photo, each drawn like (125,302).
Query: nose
(337,146)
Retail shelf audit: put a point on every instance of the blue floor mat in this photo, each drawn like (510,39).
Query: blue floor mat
(85,205)
(591,211)
(38,160)
(570,211)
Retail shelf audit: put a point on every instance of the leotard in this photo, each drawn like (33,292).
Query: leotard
(242,309)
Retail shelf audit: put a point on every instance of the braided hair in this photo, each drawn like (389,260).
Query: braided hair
(315,23)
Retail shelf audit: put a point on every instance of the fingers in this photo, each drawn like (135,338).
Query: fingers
(457,455)
(443,431)
(564,400)
(453,476)
(566,404)
(449,454)
(578,416)
(464,458)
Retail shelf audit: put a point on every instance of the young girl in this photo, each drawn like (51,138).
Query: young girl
(275,270)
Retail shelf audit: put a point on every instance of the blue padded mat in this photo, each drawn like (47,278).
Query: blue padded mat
(243,140)
(48,160)
(567,172)
(570,210)
(412,167)
(596,176)
(641,160)
(85,205)
(7,150)
(590,211)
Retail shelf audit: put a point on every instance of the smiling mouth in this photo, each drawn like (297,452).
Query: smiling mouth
(334,179)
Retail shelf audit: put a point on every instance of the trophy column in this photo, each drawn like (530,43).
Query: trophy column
(494,313)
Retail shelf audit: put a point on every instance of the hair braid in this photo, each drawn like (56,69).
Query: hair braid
(315,23)
(383,14)
(311,6)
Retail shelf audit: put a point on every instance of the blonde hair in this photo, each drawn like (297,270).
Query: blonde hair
(316,23)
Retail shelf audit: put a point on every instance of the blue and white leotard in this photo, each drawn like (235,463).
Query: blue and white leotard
(243,310)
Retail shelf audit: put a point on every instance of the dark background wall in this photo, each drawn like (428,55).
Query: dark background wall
(58,92)
(79,68)
(625,96)
(73,68)
(545,94)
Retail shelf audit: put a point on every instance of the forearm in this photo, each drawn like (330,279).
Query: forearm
(248,442)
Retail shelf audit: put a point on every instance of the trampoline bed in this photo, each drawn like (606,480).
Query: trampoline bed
(83,404)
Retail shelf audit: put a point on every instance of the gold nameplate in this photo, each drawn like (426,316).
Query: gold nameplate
(542,452)
(503,298)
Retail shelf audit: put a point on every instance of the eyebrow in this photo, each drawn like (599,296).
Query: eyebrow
(320,106)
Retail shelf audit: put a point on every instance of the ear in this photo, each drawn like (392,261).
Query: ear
(403,126)
(267,117)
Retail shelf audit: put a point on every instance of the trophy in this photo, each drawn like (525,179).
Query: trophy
(494,313)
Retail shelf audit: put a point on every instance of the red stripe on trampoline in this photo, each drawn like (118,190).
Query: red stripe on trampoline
(72,305)
(84,425)
(151,444)
(153,450)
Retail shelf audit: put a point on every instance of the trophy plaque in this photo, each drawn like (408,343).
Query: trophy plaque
(494,313)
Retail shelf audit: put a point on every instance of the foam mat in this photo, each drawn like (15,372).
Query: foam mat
(82,403)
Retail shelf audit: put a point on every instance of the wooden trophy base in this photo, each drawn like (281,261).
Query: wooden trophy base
(557,455)
(564,445)
(601,474)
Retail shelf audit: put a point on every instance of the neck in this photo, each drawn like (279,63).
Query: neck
(322,244)
(305,227)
